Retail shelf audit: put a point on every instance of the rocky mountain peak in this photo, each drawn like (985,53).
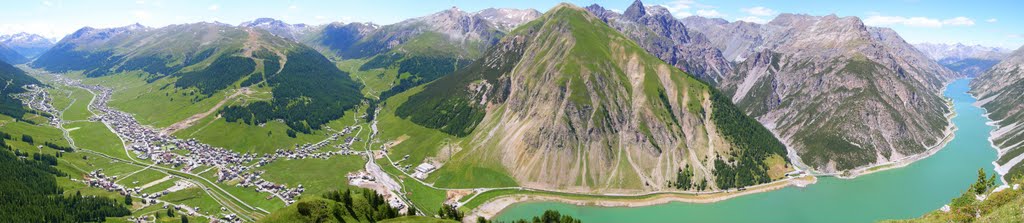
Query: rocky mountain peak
(635,10)
(92,34)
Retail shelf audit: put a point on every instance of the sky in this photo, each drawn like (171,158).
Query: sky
(989,23)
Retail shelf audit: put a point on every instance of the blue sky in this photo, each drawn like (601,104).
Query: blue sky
(990,23)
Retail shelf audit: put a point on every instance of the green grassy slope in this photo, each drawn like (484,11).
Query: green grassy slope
(590,74)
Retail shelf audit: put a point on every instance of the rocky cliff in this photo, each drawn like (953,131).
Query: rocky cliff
(841,94)
(661,34)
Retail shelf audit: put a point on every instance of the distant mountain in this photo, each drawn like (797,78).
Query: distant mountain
(453,32)
(13,79)
(566,101)
(279,28)
(425,48)
(661,34)
(8,55)
(206,58)
(967,60)
(507,19)
(28,45)
(813,79)
(999,91)
(337,37)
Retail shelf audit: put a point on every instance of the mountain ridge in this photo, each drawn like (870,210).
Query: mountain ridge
(998,91)
(830,63)
(567,102)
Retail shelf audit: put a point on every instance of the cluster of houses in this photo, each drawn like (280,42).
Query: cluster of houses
(38,99)
(149,144)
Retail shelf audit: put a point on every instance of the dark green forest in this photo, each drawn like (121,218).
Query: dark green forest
(753,144)
(219,75)
(422,69)
(17,78)
(308,93)
(446,105)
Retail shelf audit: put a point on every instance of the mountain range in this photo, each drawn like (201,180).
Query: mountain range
(812,79)
(565,101)
(577,98)
(970,61)
(26,44)
(202,59)
(999,91)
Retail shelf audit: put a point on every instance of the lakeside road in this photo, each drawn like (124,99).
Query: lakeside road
(495,206)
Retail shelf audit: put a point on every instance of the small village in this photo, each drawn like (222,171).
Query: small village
(147,143)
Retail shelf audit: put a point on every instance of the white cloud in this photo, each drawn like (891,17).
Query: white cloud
(753,19)
(710,13)
(992,20)
(959,21)
(142,15)
(681,8)
(880,20)
(140,2)
(47,3)
(1016,36)
(213,7)
(759,11)
(293,7)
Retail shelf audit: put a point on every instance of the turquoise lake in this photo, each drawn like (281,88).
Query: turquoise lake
(907,192)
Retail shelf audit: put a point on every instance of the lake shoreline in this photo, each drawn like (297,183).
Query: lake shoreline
(496,206)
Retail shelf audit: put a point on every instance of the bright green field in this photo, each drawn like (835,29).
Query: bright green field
(96,137)
(40,134)
(374,80)
(77,103)
(163,105)
(252,197)
(141,178)
(194,197)
(316,175)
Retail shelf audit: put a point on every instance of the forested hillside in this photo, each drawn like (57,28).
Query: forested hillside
(29,192)
(204,59)
(13,79)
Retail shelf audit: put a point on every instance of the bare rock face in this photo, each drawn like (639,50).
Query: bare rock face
(661,34)
(1000,91)
(841,94)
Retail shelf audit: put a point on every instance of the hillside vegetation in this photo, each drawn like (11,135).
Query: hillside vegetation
(566,101)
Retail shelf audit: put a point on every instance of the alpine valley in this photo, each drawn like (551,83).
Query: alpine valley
(571,114)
